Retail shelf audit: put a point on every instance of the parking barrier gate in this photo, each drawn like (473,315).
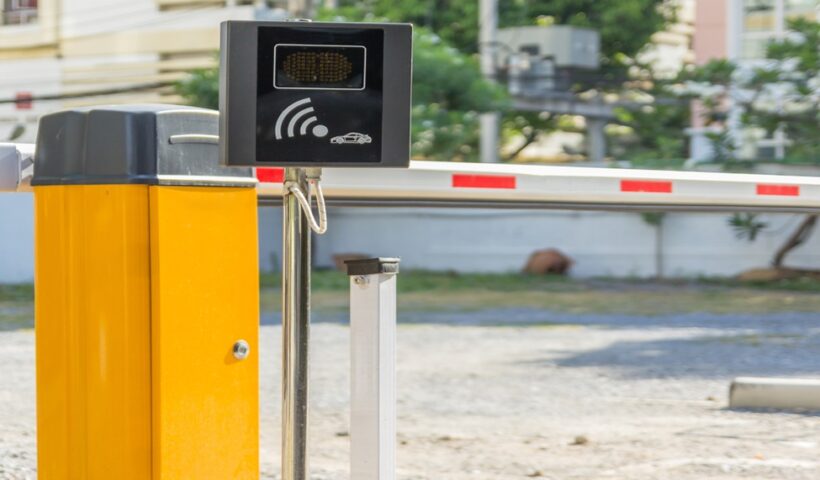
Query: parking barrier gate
(146,310)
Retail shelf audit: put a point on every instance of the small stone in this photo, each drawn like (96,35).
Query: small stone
(343,433)
(580,440)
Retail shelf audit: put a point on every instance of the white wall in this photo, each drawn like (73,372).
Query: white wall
(16,238)
(600,243)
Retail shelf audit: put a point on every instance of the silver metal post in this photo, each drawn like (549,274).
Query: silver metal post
(295,327)
(373,368)
(490,122)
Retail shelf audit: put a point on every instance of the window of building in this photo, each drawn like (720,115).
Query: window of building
(801,8)
(18,12)
(759,15)
(753,47)
(764,21)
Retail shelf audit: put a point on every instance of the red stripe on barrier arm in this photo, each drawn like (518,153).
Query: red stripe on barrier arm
(462,180)
(647,186)
(270,175)
(779,190)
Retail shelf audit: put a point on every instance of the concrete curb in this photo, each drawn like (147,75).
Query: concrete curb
(780,393)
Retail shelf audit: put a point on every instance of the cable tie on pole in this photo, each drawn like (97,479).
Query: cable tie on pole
(319,227)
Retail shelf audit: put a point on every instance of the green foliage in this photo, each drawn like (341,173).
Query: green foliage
(746,226)
(16,132)
(448,94)
(444,76)
(455,21)
(722,148)
(16,292)
(803,46)
(655,137)
(718,71)
(431,281)
(449,91)
(201,88)
(653,218)
(799,118)
(780,94)
(625,25)
(526,125)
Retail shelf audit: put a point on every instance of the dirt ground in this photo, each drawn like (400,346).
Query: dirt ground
(526,393)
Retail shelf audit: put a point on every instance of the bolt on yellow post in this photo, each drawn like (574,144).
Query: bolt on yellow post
(146,299)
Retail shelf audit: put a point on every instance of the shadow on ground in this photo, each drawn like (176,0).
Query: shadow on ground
(702,345)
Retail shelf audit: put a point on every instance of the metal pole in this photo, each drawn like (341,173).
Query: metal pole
(295,326)
(596,139)
(490,122)
(373,368)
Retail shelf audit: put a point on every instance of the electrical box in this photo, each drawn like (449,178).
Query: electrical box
(568,47)
(311,94)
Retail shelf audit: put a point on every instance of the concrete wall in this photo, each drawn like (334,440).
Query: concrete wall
(601,244)
(16,238)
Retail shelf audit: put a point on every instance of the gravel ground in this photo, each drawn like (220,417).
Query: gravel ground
(522,393)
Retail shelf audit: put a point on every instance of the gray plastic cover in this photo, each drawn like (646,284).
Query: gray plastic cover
(133,144)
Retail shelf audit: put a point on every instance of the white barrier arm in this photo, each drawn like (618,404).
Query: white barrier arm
(527,186)
(443,184)
(16,167)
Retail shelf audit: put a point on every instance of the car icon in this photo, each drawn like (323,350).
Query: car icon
(352,137)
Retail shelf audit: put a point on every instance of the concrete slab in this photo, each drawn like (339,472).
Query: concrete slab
(779,393)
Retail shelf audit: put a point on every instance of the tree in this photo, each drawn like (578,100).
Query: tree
(449,92)
(201,88)
(778,93)
(651,131)
(625,26)
(781,93)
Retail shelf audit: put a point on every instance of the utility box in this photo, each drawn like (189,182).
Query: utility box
(147,298)
(567,46)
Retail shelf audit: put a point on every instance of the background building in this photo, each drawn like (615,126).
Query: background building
(739,30)
(80,52)
(671,49)
(57,54)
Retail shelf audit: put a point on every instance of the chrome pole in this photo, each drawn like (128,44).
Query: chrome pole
(295,326)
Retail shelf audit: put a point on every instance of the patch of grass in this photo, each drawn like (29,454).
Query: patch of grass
(758,339)
(801,284)
(437,291)
(23,292)
(15,319)
(16,306)
(421,281)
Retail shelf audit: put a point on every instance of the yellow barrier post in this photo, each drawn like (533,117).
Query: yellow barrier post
(146,299)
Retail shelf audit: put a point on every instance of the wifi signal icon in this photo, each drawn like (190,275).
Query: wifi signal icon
(300,109)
